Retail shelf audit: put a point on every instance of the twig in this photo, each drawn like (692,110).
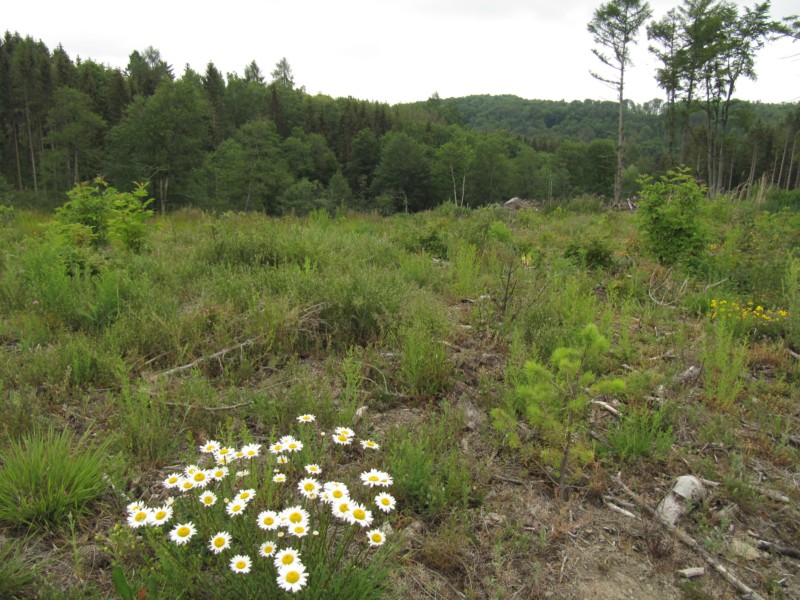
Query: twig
(210,408)
(620,510)
(605,406)
(689,541)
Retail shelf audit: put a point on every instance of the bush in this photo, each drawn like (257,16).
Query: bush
(669,214)
(47,476)
(591,252)
(107,215)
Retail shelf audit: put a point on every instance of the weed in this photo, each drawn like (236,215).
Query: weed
(724,360)
(641,434)
(16,572)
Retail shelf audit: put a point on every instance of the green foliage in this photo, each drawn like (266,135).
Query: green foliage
(792,294)
(16,572)
(426,370)
(590,252)
(47,476)
(724,359)
(640,434)
(553,398)
(670,213)
(431,475)
(108,216)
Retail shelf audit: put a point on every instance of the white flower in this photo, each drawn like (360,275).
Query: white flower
(373,478)
(235,507)
(182,533)
(376,537)
(160,515)
(210,446)
(344,431)
(277,448)
(173,480)
(240,564)
(186,485)
(308,487)
(299,530)
(370,445)
(246,495)
(342,508)
(385,502)
(279,478)
(294,515)
(313,469)
(306,418)
(342,439)
(267,549)
(286,557)
(200,478)
(282,460)
(140,518)
(359,514)
(134,506)
(191,470)
(243,473)
(251,450)
(268,520)
(219,473)
(219,541)
(293,578)
(208,498)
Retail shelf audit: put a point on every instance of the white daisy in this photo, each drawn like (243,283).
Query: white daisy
(344,431)
(282,460)
(277,448)
(286,557)
(342,439)
(160,515)
(279,478)
(376,537)
(385,502)
(208,498)
(140,518)
(306,418)
(182,533)
(369,444)
(219,473)
(373,478)
(342,508)
(246,495)
(268,520)
(219,541)
(299,530)
(251,450)
(240,564)
(293,578)
(308,487)
(359,514)
(313,469)
(235,507)
(173,480)
(294,515)
(210,447)
(267,549)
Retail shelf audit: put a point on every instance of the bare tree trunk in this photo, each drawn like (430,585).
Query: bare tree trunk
(620,139)
(783,160)
(30,146)
(16,154)
(791,162)
(753,166)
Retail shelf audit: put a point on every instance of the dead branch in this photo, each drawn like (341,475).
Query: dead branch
(210,408)
(605,406)
(778,549)
(620,510)
(661,284)
(687,540)
(204,358)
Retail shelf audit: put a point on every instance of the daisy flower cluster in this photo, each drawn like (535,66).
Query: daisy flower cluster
(209,505)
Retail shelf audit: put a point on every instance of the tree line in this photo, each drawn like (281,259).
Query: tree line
(259,141)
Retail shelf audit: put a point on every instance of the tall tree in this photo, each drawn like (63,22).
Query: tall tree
(282,74)
(146,71)
(614,26)
(252,73)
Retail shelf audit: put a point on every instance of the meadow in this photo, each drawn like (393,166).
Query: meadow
(496,369)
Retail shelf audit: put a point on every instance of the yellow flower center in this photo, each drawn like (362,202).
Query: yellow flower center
(338,493)
(183,531)
(377,537)
(299,529)
(161,514)
(344,507)
(141,516)
(342,438)
(295,517)
(385,501)
(293,577)
(287,559)
(236,508)
(199,476)
(208,500)
(374,478)
(309,487)
(219,542)
(240,564)
(359,514)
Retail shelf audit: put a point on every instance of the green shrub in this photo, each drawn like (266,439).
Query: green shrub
(47,476)
(16,572)
(669,213)
(590,252)
(640,434)
(109,216)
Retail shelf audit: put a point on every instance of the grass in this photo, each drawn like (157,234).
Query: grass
(49,476)
(229,326)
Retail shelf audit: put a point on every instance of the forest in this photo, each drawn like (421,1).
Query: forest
(261,142)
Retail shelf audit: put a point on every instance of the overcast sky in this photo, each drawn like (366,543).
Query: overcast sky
(386,50)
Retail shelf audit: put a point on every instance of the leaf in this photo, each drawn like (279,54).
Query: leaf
(121,585)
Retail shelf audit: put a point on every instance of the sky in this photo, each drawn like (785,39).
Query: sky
(383,50)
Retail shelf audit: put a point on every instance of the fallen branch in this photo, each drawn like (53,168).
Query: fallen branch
(766,492)
(605,406)
(210,408)
(620,510)
(689,541)
(778,549)
(219,354)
